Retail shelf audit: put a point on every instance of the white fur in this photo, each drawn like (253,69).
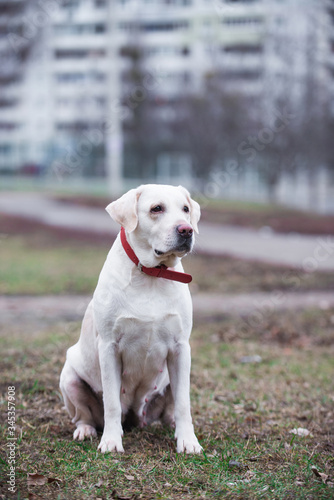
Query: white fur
(134,339)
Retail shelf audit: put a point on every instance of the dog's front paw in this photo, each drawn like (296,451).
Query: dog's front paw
(84,431)
(111,444)
(188,443)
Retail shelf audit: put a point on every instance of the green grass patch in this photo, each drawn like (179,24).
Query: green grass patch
(243,414)
(29,268)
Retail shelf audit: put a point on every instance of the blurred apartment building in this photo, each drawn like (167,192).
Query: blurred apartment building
(64,70)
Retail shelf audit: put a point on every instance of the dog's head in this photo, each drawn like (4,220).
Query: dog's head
(159,220)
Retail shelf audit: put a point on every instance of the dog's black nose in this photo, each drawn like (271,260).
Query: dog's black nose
(185,230)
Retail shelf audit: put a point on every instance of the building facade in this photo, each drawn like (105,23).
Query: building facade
(62,110)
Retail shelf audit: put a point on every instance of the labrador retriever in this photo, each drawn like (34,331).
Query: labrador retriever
(131,364)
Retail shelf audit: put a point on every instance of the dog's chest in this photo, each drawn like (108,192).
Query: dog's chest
(141,341)
(143,347)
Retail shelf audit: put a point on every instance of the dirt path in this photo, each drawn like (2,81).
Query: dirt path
(300,251)
(51,309)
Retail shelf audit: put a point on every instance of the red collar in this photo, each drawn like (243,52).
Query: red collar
(158,272)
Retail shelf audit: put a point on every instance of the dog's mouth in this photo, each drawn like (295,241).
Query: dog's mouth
(179,247)
(181,250)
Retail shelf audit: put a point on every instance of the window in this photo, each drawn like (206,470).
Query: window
(100,28)
(6,80)
(70,77)
(178,2)
(76,126)
(8,103)
(8,126)
(164,26)
(70,4)
(243,1)
(243,49)
(241,75)
(72,127)
(12,8)
(99,101)
(5,149)
(152,26)
(239,21)
(168,50)
(78,53)
(79,29)
(78,77)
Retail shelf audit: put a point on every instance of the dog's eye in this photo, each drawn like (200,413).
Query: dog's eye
(186,209)
(157,209)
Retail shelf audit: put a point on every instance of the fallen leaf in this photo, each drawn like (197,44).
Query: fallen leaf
(321,475)
(249,474)
(301,432)
(271,422)
(239,481)
(221,398)
(130,478)
(54,479)
(36,479)
(234,463)
(299,483)
(251,359)
(250,406)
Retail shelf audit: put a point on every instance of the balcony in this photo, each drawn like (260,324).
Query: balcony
(242,61)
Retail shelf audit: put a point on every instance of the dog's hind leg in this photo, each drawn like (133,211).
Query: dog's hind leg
(82,403)
(162,407)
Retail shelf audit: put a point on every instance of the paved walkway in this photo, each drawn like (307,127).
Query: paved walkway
(43,310)
(300,251)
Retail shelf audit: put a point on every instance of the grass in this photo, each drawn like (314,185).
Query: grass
(243,412)
(31,268)
(243,415)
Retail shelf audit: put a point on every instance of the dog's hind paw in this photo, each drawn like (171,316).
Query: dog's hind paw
(84,431)
(111,445)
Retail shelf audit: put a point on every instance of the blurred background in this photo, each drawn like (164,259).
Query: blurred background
(232,98)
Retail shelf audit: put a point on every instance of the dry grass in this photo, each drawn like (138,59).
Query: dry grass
(243,414)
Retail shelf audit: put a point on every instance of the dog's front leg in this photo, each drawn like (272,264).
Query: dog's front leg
(110,365)
(179,375)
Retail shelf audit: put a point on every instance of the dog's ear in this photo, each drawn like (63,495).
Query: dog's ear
(124,210)
(195,209)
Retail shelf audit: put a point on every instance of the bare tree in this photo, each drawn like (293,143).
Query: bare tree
(143,129)
(210,126)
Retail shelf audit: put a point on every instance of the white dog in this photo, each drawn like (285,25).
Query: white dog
(132,360)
